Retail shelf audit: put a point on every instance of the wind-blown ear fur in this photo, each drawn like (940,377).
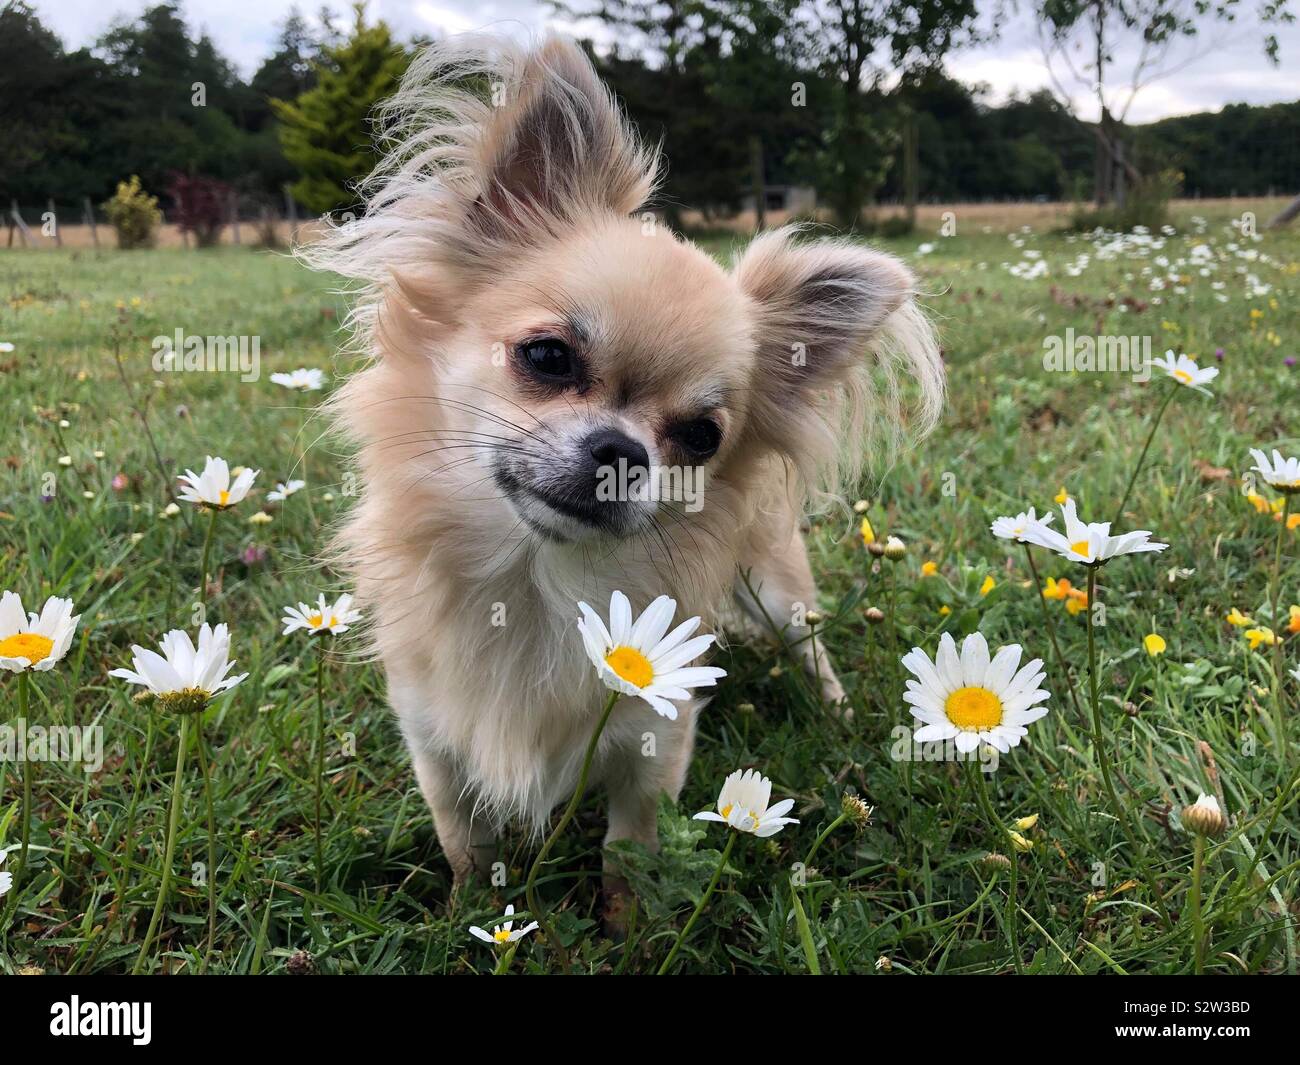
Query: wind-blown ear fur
(838,333)
(490,148)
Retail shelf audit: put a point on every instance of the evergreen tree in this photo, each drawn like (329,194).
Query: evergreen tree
(325,133)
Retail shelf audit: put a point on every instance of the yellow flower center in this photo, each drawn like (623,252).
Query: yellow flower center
(317,621)
(631,665)
(501,935)
(973,709)
(1183,376)
(1081,548)
(29,645)
(223,498)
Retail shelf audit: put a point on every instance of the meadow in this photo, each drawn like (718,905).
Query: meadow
(85,483)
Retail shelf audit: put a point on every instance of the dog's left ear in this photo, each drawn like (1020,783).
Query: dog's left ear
(818,305)
(837,330)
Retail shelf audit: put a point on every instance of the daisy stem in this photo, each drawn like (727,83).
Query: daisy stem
(1275,591)
(704,901)
(1051,635)
(320,761)
(1169,395)
(507,956)
(1198,931)
(169,848)
(212,840)
(839,820)
(1001,837)
(530,886)
(805,934)
(207,552)
(1103,758)
(23,701)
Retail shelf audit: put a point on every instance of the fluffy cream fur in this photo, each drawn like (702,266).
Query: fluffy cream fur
(507,208)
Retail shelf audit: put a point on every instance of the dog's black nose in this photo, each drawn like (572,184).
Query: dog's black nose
(607,446)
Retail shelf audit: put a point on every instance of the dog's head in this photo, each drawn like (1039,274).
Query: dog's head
(539,336)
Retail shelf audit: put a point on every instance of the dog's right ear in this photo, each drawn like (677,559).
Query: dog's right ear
(555,148)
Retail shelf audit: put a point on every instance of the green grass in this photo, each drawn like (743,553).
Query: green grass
(910,889)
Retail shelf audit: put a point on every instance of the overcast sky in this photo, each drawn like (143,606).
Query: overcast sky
(1225,66)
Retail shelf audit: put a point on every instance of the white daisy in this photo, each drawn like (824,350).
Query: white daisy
(1185,371)
(636,658)
(323,617)
(1280,474)
(184,678)
(34,641)
(504,932)
(282,492)
(213,486)
(6,879)
(742,805)
(971,699)
(1018,527)
(303,380)
(1089,542)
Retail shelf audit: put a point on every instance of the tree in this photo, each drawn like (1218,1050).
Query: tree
(325,132)
(1097,29)
(859,42)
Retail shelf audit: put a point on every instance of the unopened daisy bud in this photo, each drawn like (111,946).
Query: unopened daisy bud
(884,965)
(1024,846)
(775,672)
(875,615)
(857,811)
(895,549)
(65,460)
(814,617)
(860,507)
(1204,817)
(300,963)
(745,708)
(1024,824)
(876,548)
(171,510)
(260,518)
(64,423)
(997,862)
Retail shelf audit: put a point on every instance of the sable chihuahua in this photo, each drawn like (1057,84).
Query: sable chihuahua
(531,327)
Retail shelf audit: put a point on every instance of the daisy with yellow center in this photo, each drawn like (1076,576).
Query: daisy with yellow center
(743,805)
(1185,371)
(1089,543)
(970,698)
(642,658)
(324,617)
(34,641)
(213,487)
(1280,474)
(504,933)
(1017,526)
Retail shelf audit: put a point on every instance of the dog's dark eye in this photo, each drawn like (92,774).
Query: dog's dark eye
(550,359)
(699,439)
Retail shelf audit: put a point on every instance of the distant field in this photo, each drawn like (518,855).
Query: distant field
(912,889)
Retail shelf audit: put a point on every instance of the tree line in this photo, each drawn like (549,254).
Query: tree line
(845,96)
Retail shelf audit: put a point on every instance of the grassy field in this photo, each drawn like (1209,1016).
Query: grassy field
(910,894)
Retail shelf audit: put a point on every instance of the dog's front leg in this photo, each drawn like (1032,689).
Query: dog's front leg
(468,842)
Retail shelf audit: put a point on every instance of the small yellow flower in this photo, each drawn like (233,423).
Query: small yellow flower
(1062,497)
(1077,603)
(1293,625)
(1056,589)
(1154,643)
(1258,502)
(1261,635)
(1293,522)
(1237,618)
(1026,823)
(260,518)
(929,569)
(944,611)
(1024,846)
(988,585)
(868,533)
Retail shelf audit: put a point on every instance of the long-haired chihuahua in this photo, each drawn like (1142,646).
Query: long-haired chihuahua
(531,327)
